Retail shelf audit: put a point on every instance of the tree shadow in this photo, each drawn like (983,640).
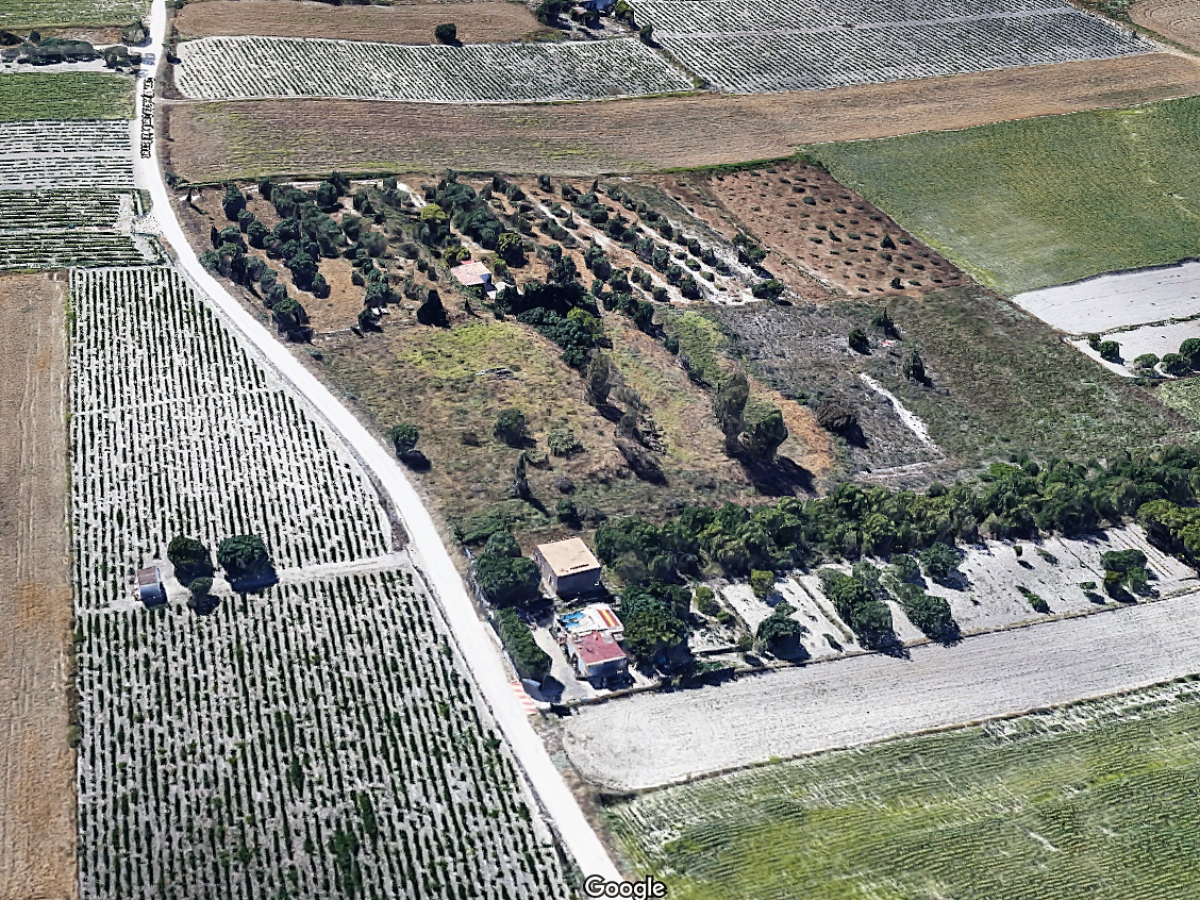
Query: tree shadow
(416,461)
(253,582)
(780,477)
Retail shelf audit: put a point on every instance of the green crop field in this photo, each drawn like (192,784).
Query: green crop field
(68,95)
(1043,201)
(46,13)
(1100,800)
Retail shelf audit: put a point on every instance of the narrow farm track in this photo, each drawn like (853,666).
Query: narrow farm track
(435,563)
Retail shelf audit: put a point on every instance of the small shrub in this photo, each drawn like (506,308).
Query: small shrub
(562,442)
(858,341)
(511,427)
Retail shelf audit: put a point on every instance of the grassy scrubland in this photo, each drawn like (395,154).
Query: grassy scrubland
(1043,201)
(1100,800)
(1013,384)
(68,95)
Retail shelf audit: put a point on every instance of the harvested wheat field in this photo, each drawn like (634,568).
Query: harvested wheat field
(37,766)
(478,23)
(1178,20)
(246,139)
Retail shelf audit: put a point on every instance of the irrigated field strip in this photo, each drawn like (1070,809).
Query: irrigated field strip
(320,741)
(195,438)
(215,141)
(37,802)
(653,739)
(1101,799)
(756,45)
(44,13)
(64,96)
(65,154)
(226,68)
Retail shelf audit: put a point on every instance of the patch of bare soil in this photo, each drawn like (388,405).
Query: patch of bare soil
(402,23)
(213,141)
(1178,20)
(813,224)
(651,739)
(37,765)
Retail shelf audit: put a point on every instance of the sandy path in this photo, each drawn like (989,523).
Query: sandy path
(652,739)
(37,767)
(429,554)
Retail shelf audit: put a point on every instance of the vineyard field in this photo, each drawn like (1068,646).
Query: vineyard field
(64,154)
(755,46)
(1101,799)
(319,742)
(197,438)
(225,68)
(49,229)
(70,96)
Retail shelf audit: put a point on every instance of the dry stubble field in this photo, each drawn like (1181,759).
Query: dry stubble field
(37,767)
(246,139)
(478,23)
(1178,20)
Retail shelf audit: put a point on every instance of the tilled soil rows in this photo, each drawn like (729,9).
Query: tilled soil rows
(212,142)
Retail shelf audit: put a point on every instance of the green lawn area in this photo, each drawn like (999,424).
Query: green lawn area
(1042,201)
(15,14)
(1091,802)
(69,95)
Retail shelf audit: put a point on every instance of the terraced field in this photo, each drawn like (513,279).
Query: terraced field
(225,68)
(1098,800)
(754,45)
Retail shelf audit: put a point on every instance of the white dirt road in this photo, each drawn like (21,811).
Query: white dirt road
(430,554)
(653,739)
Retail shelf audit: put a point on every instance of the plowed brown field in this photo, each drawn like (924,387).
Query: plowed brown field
(478,23)
(37,767)
(214,141)
(1178,20)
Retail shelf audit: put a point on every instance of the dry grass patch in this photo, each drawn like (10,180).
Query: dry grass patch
(37,765)
(211,141)
(478,23)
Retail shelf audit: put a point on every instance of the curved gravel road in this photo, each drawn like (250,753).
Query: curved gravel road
(429,552)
